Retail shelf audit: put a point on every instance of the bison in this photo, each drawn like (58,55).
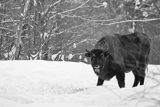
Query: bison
(115,55)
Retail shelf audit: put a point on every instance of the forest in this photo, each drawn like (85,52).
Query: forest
(62,29)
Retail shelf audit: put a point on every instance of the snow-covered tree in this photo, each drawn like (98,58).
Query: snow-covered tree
(37,29)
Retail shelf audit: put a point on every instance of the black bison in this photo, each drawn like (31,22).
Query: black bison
(117,54)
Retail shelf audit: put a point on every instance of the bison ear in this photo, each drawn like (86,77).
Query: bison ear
(88,54)
(106,53)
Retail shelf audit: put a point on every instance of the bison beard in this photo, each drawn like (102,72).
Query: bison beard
(118,54)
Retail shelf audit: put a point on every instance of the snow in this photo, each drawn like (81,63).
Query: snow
(61,84)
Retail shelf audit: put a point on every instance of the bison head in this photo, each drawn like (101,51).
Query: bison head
(98,60)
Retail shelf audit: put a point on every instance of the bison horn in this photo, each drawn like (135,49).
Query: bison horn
(87,50)
(106,53)
(88,54)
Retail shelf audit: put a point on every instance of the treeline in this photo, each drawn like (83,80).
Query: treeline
(63,29)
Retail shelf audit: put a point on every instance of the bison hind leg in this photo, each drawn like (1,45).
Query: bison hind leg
(138,78)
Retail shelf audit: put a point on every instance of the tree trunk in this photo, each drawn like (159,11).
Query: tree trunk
(18,51)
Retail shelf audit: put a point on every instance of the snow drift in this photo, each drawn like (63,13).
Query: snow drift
(43,83)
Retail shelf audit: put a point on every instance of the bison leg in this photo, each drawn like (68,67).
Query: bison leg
(136,80)
(121,80)
(142,67)
(141,79)
(139,75)
(100,81)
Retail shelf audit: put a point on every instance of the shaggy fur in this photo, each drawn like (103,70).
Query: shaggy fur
(118,54)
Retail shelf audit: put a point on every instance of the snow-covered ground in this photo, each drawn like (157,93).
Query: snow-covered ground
(61,84)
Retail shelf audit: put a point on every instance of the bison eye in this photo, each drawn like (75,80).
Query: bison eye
(88,54)
(102,54)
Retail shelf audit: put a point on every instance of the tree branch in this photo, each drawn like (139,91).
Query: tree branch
(10,21)
(51,6)
(82,5)
(92,20)
(75,8)
(5,15)
(155,5)
(126,21)
(3,28)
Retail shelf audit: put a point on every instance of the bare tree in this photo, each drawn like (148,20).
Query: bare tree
(37,29)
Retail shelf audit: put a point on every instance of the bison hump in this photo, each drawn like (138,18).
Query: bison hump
(112,44)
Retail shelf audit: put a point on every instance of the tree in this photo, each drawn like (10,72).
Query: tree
(55,29)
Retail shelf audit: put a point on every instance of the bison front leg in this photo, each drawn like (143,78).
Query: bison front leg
(121,80)
(100,81)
